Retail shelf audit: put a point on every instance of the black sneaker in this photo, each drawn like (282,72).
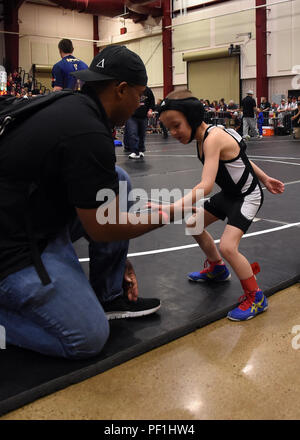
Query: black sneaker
(121,307)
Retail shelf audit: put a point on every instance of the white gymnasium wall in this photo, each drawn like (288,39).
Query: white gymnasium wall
(44,26)
(283,25)
(215,27)
(143,38)
(283,37)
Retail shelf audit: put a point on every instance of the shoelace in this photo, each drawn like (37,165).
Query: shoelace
(246,300)
(206,263)
(208,266)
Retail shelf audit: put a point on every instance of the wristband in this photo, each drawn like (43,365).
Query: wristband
(165,217)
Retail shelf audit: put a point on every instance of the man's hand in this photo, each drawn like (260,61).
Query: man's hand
(130,284)
(274,186)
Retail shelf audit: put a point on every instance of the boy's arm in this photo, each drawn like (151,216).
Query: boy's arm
(261,175)
(273,185)
(209,173)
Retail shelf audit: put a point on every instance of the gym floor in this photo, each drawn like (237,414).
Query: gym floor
(226,370)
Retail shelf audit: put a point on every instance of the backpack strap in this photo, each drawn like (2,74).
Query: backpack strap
(35,252)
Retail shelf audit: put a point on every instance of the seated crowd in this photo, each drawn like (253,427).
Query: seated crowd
(16,87)
(286,114)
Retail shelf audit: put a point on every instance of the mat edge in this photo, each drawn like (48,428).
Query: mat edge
(25,398)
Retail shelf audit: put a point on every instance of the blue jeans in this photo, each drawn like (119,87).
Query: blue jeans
(64,318)
(134,135)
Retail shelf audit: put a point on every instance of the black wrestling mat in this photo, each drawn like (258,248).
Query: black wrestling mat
(25,376)
(273,240)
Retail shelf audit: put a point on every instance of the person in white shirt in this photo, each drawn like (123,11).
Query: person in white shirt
(293,105)
(282,109)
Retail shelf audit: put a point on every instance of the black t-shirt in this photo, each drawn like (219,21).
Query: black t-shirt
(147,102)
(63,155)
(248,105)
(264,105)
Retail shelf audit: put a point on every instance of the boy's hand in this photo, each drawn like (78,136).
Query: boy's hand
(167,209)
(130,284)
(274,186)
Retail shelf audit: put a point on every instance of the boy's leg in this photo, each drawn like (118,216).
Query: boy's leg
(214,268)
(229,250)
(205,240)
(63,318)
(253,300)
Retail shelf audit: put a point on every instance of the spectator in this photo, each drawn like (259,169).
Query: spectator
(17,77)
(215,105)
(293,104)
(282,110)
(135,127)
(249,109)
(222,105)
(274,106)
(264,104)
(232,107)
(61,78)
(237,123)
(29,83)
(296,119)
(163,128)
(260,123)
(9,83)
(207,105)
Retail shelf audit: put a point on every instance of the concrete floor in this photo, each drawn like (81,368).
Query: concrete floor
(226,370)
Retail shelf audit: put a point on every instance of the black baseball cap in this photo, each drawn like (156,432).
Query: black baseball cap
(115,62)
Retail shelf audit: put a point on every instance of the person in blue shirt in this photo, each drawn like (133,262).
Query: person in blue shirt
(61,78)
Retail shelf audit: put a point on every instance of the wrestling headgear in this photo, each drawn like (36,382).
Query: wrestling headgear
(192,109)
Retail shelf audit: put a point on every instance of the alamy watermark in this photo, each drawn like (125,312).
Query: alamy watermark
(296,79)
(2,338)
(134,204)
(296,339)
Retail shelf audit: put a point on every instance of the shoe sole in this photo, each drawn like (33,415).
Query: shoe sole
(250,317)
(210,281)
(128,314)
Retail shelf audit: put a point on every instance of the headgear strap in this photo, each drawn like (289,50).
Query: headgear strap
(192,109)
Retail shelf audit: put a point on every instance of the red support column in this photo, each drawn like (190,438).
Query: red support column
(167,48)
(261,52)
(95,33)
(11,24)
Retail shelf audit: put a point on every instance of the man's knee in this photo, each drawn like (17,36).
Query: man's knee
(123,176)
(88,341)
(125,179)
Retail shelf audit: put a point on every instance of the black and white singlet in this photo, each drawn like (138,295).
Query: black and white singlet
(241,195)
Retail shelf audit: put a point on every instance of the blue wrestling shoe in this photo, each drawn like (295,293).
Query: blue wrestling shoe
(252,303)
(211,272)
